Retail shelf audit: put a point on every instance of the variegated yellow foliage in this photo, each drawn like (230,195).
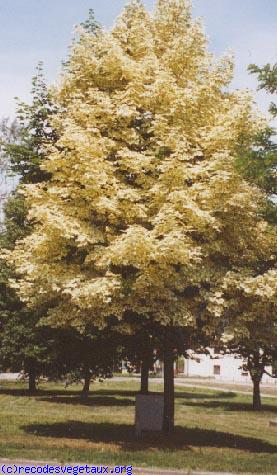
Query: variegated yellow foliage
(144,211)
(247,304)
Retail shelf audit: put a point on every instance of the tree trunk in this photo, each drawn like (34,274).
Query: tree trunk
(32,381)
(144,377)
(85,390)
(256,369)
(257,403)
(168,422)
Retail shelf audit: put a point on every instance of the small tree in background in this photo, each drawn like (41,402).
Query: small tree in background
(259,163)
(250,303)
(139,342)
(83,358)
(247,304)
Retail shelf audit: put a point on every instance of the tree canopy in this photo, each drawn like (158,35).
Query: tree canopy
(144,211)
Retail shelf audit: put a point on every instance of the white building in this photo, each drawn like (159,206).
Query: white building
(220,367)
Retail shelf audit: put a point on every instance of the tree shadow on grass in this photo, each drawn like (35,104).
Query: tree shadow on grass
(203,395)
(103,398)
(123,435)
(229,405)
(67,393)
(88,401)
(23,392)
(100,396)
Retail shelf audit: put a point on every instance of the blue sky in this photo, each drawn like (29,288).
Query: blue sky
(34,30)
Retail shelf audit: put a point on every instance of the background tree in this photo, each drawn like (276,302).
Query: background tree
(144,211)
(91,25)
(255,297)
(40,349)
(248,308)
(24,347)
(89,356)
(267,77)
(258,164)
(140,339)
(35,131)
(9,132)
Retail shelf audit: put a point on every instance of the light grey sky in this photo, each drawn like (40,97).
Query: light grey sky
(34,30)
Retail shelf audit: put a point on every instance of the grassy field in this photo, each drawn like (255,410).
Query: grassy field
(214,430)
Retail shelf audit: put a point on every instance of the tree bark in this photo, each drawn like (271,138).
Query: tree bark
(32,381)
(144,379)
(168,422)
(85,390)
(257,403)
(256,369)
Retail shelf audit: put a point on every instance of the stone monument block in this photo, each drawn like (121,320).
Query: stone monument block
(149,413)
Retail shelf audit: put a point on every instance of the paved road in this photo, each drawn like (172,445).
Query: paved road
(218,388)
(200,384)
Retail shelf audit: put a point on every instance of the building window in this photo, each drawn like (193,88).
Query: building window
(216,369)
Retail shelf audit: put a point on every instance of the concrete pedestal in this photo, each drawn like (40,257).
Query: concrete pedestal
(149,413)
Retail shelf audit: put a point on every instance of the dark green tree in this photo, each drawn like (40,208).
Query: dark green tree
(35,132)
(87,356)
(90,25)
(26,344)
(267,77)
(259,166)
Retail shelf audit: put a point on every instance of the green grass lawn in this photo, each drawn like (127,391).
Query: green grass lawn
(214,430)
